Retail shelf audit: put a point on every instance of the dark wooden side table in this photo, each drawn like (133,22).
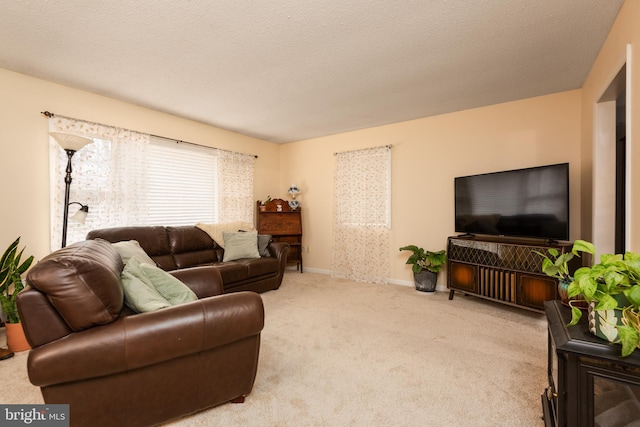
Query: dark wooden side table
(590,384)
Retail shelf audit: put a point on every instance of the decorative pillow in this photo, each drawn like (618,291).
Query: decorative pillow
(216,231)
(263,242)
(240,245)
(131,248)
(139,293)
(171,289)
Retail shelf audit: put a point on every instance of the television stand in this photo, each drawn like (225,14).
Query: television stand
(500,269)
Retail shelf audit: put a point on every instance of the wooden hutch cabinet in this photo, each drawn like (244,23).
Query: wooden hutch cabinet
(506,271)
(284,225)
(590,384)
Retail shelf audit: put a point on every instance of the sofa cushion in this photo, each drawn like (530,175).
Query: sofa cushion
(246,269)
(240,245)
(153,241)
(140,295)
(82,282)
(260,267)
(190,246)
(232,271)
(131,248)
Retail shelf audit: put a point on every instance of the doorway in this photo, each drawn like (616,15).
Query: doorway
(610,168)
(621,174)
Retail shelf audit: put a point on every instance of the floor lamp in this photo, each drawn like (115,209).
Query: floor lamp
(70,143)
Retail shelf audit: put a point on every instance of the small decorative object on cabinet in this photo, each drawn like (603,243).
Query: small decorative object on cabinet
(506,271)
(262,204)
(293,192)
(590,384)
(284,225)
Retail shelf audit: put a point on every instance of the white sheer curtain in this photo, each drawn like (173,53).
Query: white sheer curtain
(235,186)
(109,176)
(362,215)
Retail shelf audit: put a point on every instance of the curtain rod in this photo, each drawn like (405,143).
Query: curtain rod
(362,149)
(178,141)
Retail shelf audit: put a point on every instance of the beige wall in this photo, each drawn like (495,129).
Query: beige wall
(24,153)
(427,154)
(611,58)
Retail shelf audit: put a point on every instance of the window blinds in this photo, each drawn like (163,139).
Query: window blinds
(182,183)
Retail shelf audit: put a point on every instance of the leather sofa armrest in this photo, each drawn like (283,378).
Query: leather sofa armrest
(40,320)
(145,339)
(205,280)
(278,249)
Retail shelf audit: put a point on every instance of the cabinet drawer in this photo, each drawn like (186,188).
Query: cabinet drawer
(463,277)
(534,290)
(290,239)
(280,223)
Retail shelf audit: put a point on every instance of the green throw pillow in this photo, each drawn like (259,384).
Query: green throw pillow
(172,289)
(132,248)
(242,244)
(139,293)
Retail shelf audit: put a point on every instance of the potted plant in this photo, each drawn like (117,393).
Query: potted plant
(612,289)
(556,264)
(11,270)
(263,204)
(425,265)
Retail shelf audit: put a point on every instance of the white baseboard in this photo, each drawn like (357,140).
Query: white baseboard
(409,283)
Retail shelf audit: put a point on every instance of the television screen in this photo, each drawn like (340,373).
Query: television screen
(532,202)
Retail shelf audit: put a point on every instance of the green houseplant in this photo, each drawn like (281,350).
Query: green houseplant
(556,264)
(612,288)
(10,280)
(425,266)
(263,203)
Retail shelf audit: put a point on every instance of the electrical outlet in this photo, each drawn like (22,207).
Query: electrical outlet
(305,249)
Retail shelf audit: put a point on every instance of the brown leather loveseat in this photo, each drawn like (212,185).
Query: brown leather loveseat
(118,368)
(174,248)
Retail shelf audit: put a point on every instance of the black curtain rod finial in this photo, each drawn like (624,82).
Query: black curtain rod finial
(47,114)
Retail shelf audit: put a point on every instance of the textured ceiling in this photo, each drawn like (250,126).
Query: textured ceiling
(288,70)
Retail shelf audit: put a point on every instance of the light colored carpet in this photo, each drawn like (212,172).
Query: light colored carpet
(340,353)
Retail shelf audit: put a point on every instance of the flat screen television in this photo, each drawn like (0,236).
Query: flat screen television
(531,202)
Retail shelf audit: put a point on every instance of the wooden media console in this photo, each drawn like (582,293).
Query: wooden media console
(500,269)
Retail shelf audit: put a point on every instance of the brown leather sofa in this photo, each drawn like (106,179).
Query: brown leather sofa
(117,368)
(183,247)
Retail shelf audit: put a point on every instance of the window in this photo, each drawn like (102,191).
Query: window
(362,215)
(182,183)
(127,178)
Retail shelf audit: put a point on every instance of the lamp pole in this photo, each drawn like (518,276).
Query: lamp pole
(70,143)
(67,188)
